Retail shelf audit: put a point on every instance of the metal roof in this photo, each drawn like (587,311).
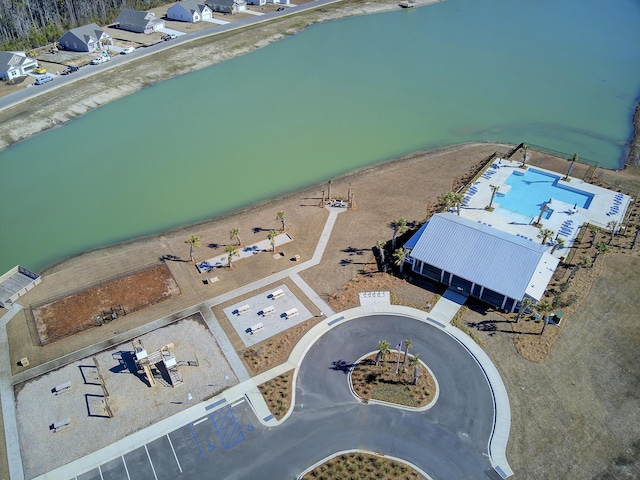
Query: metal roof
(135,17)
(505,263)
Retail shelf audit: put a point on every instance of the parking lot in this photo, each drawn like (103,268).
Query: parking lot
(185,450)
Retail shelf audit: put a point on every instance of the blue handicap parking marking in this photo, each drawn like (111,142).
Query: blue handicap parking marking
(250,427)
(211,446)
(227,427)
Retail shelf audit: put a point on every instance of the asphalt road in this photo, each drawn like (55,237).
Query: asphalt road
(450,440)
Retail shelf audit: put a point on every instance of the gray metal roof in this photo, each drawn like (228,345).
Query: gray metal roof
(86,33)
(135,17)
(9,59)
(193,5)
(503,262)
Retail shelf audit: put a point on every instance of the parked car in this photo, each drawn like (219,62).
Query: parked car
(47,77)
(280,9)
(127,50)
(101,59)
(70,69)
(39,70)
(169,36)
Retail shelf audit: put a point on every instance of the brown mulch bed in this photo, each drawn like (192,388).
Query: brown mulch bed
(365,466)
(277,393)
(380,382)
(82,310)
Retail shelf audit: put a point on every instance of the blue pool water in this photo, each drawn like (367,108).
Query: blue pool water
(531,190)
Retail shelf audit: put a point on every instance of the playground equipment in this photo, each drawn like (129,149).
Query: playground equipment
(146,361)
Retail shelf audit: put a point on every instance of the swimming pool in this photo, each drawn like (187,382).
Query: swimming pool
(530,190)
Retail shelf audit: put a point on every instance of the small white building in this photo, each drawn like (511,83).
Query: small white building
(16,64)
(480,261)
(190,11)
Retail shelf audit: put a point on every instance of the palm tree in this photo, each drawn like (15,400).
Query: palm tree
(380,246)
(231,251)
(601,248)
(329,183)
(415,363)
(544,234)
(399,227)
(193,241)
(457,199)
(494,190)
(585,261)
(525,303)
(407,346)
(612,225)
(383,351)
(322,203)
(595,230)
(542,210)
(525,155)
(280,216)
(235,233)
(559,243)
(272,239)
(399,257)
(573,160)
(446,199)
(543,309)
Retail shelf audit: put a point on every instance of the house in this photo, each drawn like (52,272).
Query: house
(87,38)
(190,11)
(139,22)
(16,64)
(227,6)
(480,261)
(256,2)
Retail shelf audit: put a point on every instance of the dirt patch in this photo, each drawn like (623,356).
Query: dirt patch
(278,394)
(380,382)
(365,466)
(99,304)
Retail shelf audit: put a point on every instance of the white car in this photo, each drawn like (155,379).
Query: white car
(127,50)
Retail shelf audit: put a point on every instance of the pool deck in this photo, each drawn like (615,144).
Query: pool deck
(565,220)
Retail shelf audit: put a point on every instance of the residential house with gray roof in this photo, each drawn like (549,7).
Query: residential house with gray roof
(227,6)
(16,64)
(190,11)
(87,38)
(139,22)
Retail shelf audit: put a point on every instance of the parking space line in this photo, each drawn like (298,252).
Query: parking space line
(150,462)
(199,421)
(174,453)
(237,403)
(196,440)
(125,467)
(100,472)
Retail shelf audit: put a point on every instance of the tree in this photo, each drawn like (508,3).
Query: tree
(415,363)
(231,251)
(446,199)
(601,248)
(235,233)
(525,154)
(457,199)
(544,234)
(542,210)
(399,256)
(329,183)
(383,351)
(527,303)
(407,346)
(559,243)
(380,245)
(399,227)
(322,203)
(543,309)
(573,160)
(585,261)
(494,190)
(596,230)
(280,216)
(612,225)
(272,239)
(194,242)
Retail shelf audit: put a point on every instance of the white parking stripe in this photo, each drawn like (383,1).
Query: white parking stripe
(237,403)
(174,454)
(125,468)
(200,421)
(151,463)
(100,472)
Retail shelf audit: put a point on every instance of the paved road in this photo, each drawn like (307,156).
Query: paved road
(449,440)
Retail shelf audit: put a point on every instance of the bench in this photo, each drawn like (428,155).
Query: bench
(243,309)
(277,294)
(63,387)
(268,311)
(61,424)
(256,328)
(291,313)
